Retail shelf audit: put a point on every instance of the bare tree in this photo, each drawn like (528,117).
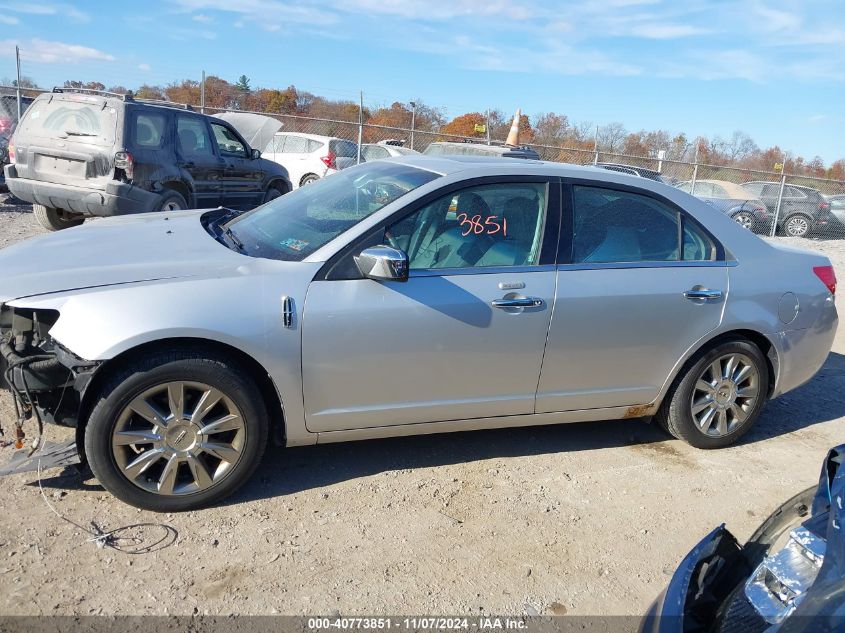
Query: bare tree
(612,137)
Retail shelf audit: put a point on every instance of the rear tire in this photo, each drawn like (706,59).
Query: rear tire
(745,220)
(797,225)
(176,430)
(171,201)
(718,395)
(56,219)
(273,192)
(308,179)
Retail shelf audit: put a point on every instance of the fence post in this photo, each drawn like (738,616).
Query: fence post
(694,170)
(780,200)
(596,147)
(202,94)
(487,125)
(413,121)
(18,64)
(360,126)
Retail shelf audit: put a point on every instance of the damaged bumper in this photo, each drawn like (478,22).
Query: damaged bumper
(117,198)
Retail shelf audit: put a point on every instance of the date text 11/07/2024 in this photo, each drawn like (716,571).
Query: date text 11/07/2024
(419,623)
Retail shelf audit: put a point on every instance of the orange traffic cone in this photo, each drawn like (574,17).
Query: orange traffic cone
(513,135)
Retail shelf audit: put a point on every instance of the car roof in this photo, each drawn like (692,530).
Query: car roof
(777,182)
(495,165)
(313,137)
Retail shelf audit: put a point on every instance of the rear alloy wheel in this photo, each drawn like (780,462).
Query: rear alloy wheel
(745,220)
(717,399)
(797,226)
(176,431)
(56,219)
(171,201)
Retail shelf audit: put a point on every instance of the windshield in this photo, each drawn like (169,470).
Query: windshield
(295,225)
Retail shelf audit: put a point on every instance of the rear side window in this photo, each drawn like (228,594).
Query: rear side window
(618,226)
(313,146)
(192,137)
(343,149)
(89,120)
(755,188)
(296,145)
(374,153)
(150,129)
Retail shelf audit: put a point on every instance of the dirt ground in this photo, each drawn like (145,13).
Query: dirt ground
(583,518)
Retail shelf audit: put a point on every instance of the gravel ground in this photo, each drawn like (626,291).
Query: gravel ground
(583,518)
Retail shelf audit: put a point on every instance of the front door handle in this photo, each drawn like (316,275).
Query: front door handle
(698,294)
(520,302)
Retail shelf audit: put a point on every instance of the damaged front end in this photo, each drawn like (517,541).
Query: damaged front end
(46,380)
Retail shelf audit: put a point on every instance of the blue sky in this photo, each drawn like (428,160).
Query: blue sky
(773,69)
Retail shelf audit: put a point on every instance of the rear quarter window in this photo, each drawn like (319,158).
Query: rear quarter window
(149,129)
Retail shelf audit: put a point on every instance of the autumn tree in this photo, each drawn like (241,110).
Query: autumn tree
(89,85)
(150,92)
(465,125)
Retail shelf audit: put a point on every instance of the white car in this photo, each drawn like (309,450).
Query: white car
(309,157)
(382,149)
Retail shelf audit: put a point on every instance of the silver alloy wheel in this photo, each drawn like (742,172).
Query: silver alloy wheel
(797,226)
(725,394)
(178,438)
(745,220)
(172,205)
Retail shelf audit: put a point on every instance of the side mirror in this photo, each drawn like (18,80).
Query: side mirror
(256,154)
(383,263)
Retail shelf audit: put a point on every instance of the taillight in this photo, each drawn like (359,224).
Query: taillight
(12,150)
(329,160)
(828,277)
(824,206)
(762,211)
(125,161)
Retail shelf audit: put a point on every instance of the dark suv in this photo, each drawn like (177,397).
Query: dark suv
(77,154)
(803,210)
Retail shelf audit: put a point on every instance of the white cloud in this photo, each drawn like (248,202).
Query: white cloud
(52,52)
(261,10)
(202,17)
(8,19)
(144,67)
(666,31)
(46,9)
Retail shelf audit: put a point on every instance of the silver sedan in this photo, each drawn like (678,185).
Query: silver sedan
(413,295)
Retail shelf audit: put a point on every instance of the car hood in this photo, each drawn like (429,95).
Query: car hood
(111,251)
(257,129)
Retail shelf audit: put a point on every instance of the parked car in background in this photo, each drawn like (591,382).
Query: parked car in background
(469,148)
(789,577)
(837,209)
(732,200)
(179,345)
(642,172)
(804,211)
(8,121)
(309,157)
(82,153)
(384,149)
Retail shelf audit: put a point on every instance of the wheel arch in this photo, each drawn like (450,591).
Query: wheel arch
(179,187)
(763,342)
(269,392)
(281,184)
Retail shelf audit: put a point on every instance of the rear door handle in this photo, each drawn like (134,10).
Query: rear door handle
(522,302)
(698,294)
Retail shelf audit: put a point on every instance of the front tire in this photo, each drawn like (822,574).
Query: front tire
(718,396)
(176,431)
(56,219)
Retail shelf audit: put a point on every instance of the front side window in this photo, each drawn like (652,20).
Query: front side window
(192,137)
(487,225)
(617,226)
(295,225)
(228,143)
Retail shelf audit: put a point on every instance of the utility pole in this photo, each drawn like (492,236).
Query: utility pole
(360,126)
(202,94)
(413,121)
(487,125)
(18,64)
(596,146)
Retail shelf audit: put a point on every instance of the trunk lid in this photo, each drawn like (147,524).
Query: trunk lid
(68,139)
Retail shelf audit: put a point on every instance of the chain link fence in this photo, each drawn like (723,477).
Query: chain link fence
(768,202)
